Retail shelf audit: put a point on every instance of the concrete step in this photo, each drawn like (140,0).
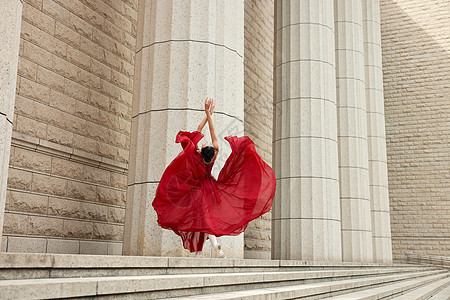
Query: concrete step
(392,290)
(426,291)
(164,286)
(33,265)
(442,295)
(319,290)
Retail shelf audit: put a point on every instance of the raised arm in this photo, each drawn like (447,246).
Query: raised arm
(208,104)
(202,124)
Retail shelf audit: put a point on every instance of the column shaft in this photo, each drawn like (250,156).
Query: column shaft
(352,132)
(11,14)
(376,134)
(306,213)
(186,51)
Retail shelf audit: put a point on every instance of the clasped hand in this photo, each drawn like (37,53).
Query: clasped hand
(209,105)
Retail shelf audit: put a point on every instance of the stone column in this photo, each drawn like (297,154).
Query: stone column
(306,214)
(186,51)
(352,133)
(11,15)
(376,134)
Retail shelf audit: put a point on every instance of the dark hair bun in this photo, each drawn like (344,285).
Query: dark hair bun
(208,153)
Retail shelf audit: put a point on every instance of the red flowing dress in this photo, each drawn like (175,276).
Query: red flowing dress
(191,202)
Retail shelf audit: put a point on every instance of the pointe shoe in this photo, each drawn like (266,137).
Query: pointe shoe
(219,251)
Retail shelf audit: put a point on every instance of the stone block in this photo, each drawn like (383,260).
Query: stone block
(100,69)
(65,68)
(110,196)
(47,114)
(27,245)
(63,246)
(78,58)
(116,215)
(76,91)
(62,102)
(75,209)
(31,127)
(37,18)
(92,247)
(49,185)
(120,80)
(4,244)
(118,139)
(86,145)
(96,175)
(36,3)
(79,190)
(99,100)
(27,69)
(118,180)
(43,226)
(50,79)
(255,254)
(59,136)
(34,90)
(125,124)
(110,89)
(88,113)
(26,202)
(127,69)
(38,55)
(19,179)
(88,79)
(114,248)
(108,232)
(77,229)
(108,120)
(45,40)
(129,40)
(68,18)
(31,160)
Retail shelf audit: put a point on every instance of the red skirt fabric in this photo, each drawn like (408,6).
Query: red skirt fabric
(191,202)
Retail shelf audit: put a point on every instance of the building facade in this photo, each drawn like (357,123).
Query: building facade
(336,95)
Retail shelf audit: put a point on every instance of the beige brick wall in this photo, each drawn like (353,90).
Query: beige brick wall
(68,168)
(258,86)
(416,67)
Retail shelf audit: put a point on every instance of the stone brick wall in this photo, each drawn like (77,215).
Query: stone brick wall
(70,146)
(416,67)
(258,86)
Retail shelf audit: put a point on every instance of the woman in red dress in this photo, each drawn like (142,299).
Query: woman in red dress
(195,205)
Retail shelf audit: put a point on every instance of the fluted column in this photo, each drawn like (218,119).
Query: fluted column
(186,51)
(352,133)
(11,14)
(306,212)
(376,134)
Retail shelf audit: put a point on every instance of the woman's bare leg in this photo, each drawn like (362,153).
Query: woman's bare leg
(216,246)
(213,240)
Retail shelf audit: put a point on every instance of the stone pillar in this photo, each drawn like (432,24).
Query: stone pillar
(352,133)
(376,134)
(11,14)
(306,213)
(186,51)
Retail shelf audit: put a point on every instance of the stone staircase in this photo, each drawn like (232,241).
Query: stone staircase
(44,276)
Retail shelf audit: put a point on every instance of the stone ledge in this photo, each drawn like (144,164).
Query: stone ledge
(76,155)
(393,286)
(72,287)
(46,260)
